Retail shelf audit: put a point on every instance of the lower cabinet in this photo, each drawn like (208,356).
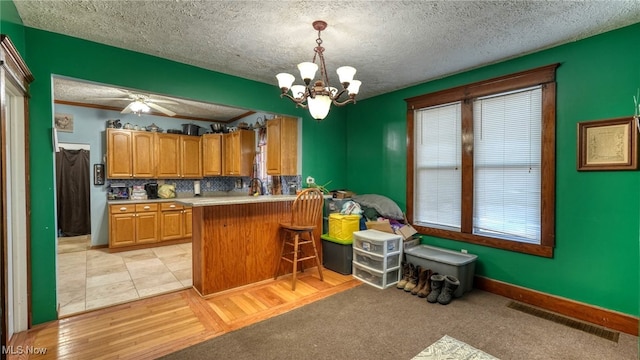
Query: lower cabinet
(148,224)
(175,221)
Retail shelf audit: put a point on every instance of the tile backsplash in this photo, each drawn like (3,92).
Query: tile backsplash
(185,187)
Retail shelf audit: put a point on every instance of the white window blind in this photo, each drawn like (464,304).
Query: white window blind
(438,167)
(507,157)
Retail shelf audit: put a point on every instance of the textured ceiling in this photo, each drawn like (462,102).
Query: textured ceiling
(393,44)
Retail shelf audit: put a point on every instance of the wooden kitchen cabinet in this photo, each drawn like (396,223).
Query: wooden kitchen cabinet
(132,224)
(175,221)
(212,154)
(143,154)
(168,156)
(141,225)
(119,159)
(130,153)
(179,156)
(191,157)
(239,152)
(282,146)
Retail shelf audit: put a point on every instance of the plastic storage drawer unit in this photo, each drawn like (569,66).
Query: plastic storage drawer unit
(377,242)
(376,262)
(337,254)
(445,262)
(378,279)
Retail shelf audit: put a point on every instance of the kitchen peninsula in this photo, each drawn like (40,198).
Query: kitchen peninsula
(237,240)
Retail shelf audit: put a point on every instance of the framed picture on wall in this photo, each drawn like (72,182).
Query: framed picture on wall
(63,122)
(608,145)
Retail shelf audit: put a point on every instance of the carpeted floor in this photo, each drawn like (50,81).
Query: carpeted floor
(367,323)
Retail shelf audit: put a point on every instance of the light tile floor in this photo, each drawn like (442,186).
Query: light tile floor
(95,278)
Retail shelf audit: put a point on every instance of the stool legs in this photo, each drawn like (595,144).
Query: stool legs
(315,252)
(296,245)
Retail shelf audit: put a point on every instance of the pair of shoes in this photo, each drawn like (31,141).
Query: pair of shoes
(413,278)
(407,272)
(442,289)
(423,288)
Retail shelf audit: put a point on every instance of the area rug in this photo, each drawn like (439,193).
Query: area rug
(450,348)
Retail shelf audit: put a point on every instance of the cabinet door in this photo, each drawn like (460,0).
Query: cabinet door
(143,155)
(230,163)
(273,146)
(168,156)
(188,217)
(147,223)
(282,146)
(122,225)
(191,157)
(118,154)
(172,221)
(212,154)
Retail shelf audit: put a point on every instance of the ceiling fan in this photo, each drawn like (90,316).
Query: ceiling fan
(140,103)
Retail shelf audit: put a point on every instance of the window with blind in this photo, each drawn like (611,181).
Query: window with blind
(481,162)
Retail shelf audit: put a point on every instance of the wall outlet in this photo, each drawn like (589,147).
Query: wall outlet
(310,180)
(464,251)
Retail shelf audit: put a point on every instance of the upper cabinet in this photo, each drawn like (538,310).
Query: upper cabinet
(212,154)
(239,152)
(168,154)
(282,146)
(130,154)
(178,156)
(191,157)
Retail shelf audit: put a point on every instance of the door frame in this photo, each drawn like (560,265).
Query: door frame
(15,73)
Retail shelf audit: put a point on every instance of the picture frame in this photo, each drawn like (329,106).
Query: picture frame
(98,174)
(63,122)
(610,144)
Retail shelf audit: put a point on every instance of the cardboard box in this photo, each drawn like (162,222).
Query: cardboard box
(406,231)
(342,194)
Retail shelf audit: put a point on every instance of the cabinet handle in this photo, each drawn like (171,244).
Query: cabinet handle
(123,209)
(147,207)
(172,206)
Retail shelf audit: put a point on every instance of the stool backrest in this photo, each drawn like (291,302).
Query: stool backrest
(307,207)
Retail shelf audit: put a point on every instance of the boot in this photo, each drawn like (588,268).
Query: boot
(451,283)
(423,279)
(413,280)
(427,284)
(406,274)
(436,286)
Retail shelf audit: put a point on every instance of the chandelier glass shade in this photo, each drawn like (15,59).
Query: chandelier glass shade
(318,95)
(139,106)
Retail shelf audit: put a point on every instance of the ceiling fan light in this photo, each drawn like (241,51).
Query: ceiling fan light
(307,71)
(285,80)
(346,73)
(319,106)
(354,87)
(138,106)
(298,91)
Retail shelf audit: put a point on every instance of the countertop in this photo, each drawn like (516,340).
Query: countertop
(231,200)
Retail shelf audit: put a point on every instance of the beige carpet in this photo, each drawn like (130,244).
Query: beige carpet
(449,348)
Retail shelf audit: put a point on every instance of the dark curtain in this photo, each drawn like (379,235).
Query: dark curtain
(72,189)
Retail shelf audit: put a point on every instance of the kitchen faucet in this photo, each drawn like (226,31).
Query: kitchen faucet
(259,191)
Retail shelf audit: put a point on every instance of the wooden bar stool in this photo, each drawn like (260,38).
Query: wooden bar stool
(306,213)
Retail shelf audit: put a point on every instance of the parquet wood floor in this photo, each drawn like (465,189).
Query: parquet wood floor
(156,326)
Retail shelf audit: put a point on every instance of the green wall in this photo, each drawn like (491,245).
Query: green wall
(597,213)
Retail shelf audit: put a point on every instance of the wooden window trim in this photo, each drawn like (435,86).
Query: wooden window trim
(544,76)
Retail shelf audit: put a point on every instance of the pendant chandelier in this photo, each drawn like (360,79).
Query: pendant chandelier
(319,95)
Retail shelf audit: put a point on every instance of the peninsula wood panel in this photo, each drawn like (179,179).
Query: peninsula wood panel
(236,245)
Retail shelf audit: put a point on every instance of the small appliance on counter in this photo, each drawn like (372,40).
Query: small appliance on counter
(152,190)
(117,192)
